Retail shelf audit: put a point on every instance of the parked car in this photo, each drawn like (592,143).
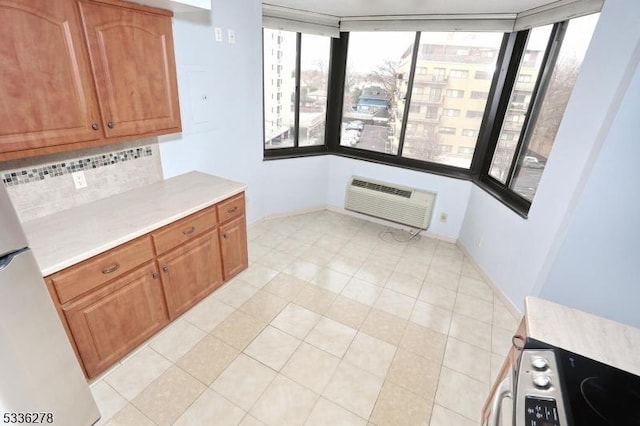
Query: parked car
(355,125)
(532,162)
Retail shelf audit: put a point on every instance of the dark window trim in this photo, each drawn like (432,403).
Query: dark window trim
(337,75)
(296,95)
(404,163)
(510,54)
(296,151)
(503,191)
(407,96)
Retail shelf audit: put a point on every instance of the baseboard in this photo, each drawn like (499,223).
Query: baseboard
(379,221)
(504,299)
(287,214)
(353,214)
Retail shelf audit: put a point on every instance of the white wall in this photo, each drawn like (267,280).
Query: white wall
(517,253)
(218,139)
(453,194)
(596,268)
(223,135)
(294,185)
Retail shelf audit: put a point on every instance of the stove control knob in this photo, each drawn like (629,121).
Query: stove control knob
(541,381)
(539,363)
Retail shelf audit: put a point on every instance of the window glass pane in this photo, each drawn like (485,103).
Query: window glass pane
(530,67)
(279,52)
(445,117)
(563,78)
(314,77)
(378,65)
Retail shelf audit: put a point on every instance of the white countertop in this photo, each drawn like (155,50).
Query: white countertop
(588,335)
(71,236)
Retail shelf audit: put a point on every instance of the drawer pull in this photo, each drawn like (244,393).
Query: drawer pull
(154,275)
(233,209)
(165,269)
(225,236)
(111,269)
(189,230)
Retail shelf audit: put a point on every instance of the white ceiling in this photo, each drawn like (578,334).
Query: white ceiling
(359,8)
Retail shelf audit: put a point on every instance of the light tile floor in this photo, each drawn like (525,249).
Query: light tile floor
(333,323)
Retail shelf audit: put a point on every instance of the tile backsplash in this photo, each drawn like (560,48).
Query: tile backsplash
(44,185)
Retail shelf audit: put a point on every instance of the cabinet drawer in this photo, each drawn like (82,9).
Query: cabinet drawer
(231,208)
(93,272)
(175,234)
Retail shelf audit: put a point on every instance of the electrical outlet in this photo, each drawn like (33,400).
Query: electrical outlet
(79,180)
(444,217)
(218,32)
(232,36)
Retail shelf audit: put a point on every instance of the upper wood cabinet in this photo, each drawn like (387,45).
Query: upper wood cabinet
(83,73)
(134,68)
(47,95)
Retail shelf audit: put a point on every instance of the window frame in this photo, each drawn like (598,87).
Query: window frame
(507,79)
(296,150)
(509,56)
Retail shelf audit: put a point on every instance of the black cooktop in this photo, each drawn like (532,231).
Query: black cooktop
(596,394)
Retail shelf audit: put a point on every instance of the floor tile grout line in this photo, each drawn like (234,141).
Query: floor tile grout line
(324,315)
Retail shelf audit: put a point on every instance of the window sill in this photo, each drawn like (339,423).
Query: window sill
(512,201)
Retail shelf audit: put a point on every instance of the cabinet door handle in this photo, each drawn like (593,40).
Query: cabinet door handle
(95,126)
(225,236)
(155,275)
(110,124)
(189,230)
(165,269)
(233,209)
(111,269)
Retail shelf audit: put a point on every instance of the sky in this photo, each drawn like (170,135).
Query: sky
(368,49)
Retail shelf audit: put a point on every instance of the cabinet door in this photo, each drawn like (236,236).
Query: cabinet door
(114,320)
(190,272)
(46,89)
(233,243)
(133,64)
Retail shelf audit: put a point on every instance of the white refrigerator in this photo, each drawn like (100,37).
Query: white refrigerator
(40,378)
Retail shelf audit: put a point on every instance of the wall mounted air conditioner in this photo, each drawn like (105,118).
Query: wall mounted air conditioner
(389,201)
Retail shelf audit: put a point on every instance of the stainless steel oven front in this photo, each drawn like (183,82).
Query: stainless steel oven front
(530,394)
(544,385)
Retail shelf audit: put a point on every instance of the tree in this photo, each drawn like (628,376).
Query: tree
(386,75)
(423,145)
(555,102)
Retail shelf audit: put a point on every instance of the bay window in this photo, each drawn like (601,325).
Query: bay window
(483,106)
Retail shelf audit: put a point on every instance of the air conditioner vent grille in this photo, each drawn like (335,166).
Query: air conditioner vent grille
(381,188)
(388,201)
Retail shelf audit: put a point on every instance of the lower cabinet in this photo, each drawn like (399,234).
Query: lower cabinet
(233,243)
(110,322)
(113,302)
(190,272)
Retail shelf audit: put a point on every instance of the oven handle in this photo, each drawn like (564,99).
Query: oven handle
(503,391)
